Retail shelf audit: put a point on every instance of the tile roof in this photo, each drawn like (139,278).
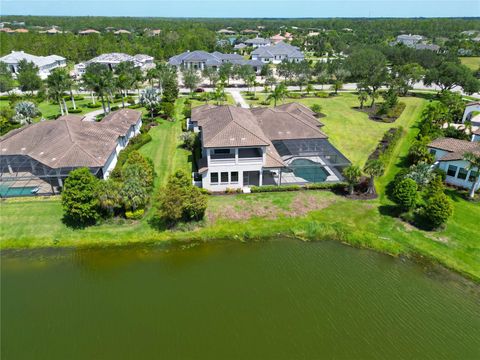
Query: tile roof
(69,141)
(456,148)
(230,126)
(279,49)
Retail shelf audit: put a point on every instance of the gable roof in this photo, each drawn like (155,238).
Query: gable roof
(279,49)
(16,56)
(69,141)
(455,148)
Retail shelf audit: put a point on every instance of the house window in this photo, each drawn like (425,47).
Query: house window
(234,177)
(452,170)
(224,177)
(473,176)
(221,151)
(433,152)
(214,178)
(462,174)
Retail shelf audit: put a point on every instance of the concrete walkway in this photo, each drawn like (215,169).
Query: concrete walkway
(237,96)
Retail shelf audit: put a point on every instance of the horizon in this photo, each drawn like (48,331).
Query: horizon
(245,9)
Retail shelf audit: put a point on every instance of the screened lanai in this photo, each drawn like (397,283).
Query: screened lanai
(307,161)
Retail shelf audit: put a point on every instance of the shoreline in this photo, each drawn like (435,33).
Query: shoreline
(184,238)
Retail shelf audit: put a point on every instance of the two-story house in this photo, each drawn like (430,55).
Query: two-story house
(244,147)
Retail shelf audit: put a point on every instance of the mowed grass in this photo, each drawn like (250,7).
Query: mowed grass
(472,62)
(309,215)
(49,109)
(350,130)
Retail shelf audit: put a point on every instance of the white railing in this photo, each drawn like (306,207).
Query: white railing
(255,160)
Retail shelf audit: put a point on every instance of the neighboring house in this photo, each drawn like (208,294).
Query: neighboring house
(249,31)
(240,46)
(470,109)
(154,32)
(431,47)
(88,32)
(449,155)
(277,53)
(476,135)
(408,40)
(226,32)
(122,32)
(469,32)
(21,31)
(142,61)
(37,158)
(262,146)
(257,42)
(199,60)
(45,64)
(52,31)
(7,30)
(275,39)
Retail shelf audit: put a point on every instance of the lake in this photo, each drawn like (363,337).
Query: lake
(281,299)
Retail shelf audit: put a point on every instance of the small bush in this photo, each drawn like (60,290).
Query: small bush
(316,108)
(135,215)
(405,193)
(438,210)
(134,106)
(75,111)
(274,188)
(233,191)
(94,106)
(293,95)
(322,94)
(114,108)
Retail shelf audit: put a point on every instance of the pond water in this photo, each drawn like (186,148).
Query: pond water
(280,299)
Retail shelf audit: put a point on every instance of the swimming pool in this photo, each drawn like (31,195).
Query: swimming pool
(6,191)
(308,170)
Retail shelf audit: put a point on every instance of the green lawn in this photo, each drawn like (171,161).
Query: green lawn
(472,62)
(351,131)
(48,109)
(310,215)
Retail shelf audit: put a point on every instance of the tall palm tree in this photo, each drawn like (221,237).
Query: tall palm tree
(125,78)
(99,79)
(473,165)
(219,94)
(373,168)
(58,82)
(277,94)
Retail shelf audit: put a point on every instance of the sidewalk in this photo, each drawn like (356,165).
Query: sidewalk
(237,96)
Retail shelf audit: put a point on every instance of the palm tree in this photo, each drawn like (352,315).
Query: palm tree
(219,94)
(125,78)
(58,82)
(309,88)
(373,168)
(474,168)
(277,94)
(352,175)
(99,79)
(362,97)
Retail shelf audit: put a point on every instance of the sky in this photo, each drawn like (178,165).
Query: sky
(245,8)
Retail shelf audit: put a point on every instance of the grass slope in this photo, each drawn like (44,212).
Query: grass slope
(472,62)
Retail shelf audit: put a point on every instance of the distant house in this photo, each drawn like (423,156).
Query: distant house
(88,32)
(277,38)
(449,155)
(226,32)
(201,59)
(409,40)
(142,61)
(431,47)
(470,108)
(262,146)
(45,64)
(240,46)
(52,31)
(7,30)
(37,158)
(257,42)
(154,32)
(250,31)
(469,32)
(277,53)
(22,31)
(122,32)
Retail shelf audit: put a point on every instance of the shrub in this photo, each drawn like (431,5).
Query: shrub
(322,94)
(75,111)
(114,108)
(181,201)
(93,106)
(135,215)
(189,139)
(352,175)
(274,188)
(438,210)
(168,109)
(79,198)
(293,95)
(405,193)
(134,106)
(316,108)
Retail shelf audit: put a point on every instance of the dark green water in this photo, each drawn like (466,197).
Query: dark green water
(274,300)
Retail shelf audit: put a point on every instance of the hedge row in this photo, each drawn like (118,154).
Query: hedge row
(385,147)
(313,186)
(134,144)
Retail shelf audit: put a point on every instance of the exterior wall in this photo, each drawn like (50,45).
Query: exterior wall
(454,180)
(110,164)
(229,165)
(475,137)
(43,71)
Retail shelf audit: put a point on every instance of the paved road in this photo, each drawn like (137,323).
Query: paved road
(237,96)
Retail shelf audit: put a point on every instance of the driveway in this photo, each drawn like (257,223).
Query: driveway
(237,96)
